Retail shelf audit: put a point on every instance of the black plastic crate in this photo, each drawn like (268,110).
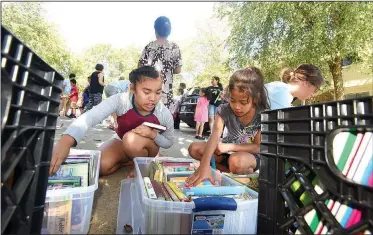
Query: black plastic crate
(296,145)
(30,97)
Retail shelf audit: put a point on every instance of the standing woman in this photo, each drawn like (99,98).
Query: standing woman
(215,93)
(97,85)
(164,56)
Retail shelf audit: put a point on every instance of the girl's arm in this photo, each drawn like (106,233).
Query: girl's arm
(250,148)
(203,171)
(100,79)
(166,139)
(94,116)
(213,141)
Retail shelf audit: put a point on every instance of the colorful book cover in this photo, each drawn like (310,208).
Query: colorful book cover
(78,169)
(180,182)
(92,164)
(69,180)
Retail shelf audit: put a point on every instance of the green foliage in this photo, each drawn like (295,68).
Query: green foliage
(117,61)
(26,21)
(274,35)
(206,55)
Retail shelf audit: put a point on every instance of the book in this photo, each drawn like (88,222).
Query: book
(84,158)
(156,171)
(179,193)
(76,169)
(173,164)
(69,180)
(181,182)
(250,180)
(217,191)
(237,197)
(169,177)
(149,188)
(158,190)
(171,192)
(165,192)
(154,126)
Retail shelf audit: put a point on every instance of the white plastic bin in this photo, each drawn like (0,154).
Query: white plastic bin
(167,217)
(71,206)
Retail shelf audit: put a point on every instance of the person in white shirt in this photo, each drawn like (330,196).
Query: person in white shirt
(114,88)
(300,83)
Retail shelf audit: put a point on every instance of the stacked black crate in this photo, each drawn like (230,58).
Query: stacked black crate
(30,97)
(297,146)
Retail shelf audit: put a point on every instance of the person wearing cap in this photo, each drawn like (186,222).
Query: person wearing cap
(164,56)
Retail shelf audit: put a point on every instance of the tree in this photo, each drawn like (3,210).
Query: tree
(26,21)
(207,55)
(117,61)
(274,35)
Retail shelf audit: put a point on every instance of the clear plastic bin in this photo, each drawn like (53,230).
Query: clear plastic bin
(168,217)
(71,206)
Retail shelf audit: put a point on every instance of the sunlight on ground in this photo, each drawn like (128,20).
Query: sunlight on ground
(98,145)
(96,129)
(185,152)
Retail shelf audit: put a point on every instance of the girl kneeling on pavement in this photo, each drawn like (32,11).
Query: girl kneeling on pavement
(131,139)
(238,151)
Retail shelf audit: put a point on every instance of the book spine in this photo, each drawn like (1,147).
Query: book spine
(170,192)
(178,192)
(164,191)
(149,188)
(222,190)
(158,190)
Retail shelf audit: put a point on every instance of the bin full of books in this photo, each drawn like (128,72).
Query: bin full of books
(158,201)
(70,194)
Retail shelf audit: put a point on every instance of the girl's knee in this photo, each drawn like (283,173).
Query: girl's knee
(240,164)
(193,150)
(130,143)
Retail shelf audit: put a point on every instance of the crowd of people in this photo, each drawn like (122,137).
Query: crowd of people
(148,97)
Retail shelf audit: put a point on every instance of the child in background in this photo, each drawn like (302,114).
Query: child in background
(175,110)
(132,139)
(238,151)
(85,95)
(74,96)
(201,113)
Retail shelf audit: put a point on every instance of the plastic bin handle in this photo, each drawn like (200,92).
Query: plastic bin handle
(214,203)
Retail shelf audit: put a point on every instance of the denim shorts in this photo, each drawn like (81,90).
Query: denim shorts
(212,110)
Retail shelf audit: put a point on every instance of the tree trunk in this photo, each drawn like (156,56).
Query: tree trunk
(335,68)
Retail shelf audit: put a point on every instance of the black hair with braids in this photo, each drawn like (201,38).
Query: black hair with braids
(139,74)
